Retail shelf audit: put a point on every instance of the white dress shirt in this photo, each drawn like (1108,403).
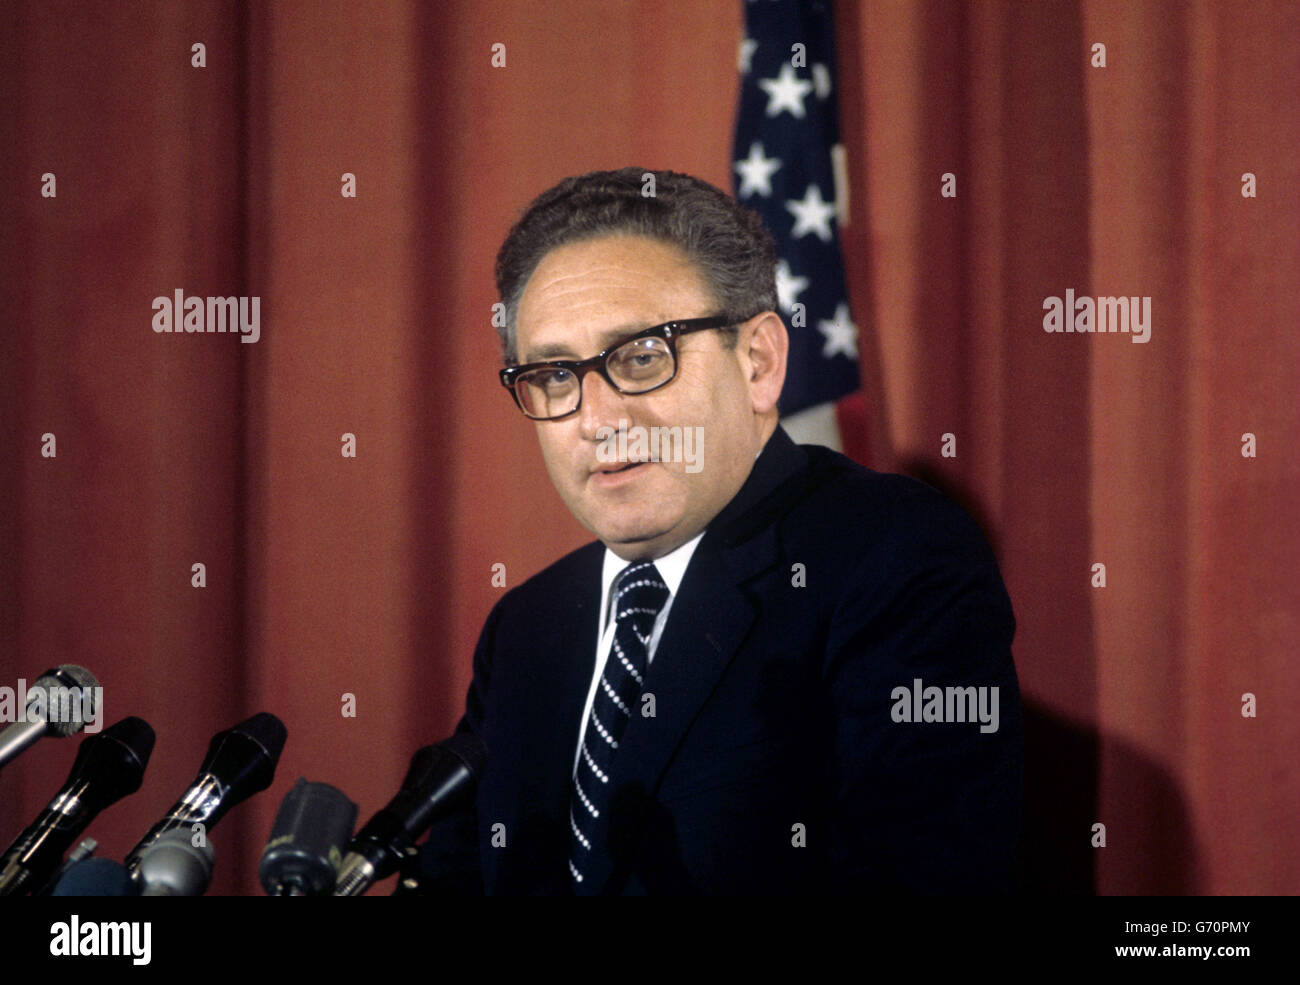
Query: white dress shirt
(671,568)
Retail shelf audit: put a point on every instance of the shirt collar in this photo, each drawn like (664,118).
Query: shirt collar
(671,568)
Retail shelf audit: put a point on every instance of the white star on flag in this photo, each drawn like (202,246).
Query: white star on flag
(786,91)
(747,48)
(841,334)
(811,215)
(756,172)
(788,286)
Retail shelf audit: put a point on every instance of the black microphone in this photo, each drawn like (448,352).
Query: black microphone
(107,768)
(52,708)
(240,762)
(303,854)
(441,778)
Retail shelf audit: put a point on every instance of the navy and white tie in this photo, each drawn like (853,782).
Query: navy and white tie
(639,595)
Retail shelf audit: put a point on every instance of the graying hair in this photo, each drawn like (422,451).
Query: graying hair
(727,242)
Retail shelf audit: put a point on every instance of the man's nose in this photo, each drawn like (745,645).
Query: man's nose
(602,406)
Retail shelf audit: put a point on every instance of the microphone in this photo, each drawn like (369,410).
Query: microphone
(174,866)
(305,849)
(96,877)
(107,768)
(440,779)
(46,714)
(240,762)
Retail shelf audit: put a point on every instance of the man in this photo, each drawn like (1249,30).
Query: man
(777,671)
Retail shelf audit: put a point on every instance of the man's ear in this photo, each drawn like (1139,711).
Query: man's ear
(765,347)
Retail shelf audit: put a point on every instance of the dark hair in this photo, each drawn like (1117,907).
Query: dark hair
(727,242)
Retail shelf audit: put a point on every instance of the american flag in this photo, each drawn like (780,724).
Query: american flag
(789,169)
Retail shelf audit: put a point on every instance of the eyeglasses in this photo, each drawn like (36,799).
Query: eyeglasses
(638,364)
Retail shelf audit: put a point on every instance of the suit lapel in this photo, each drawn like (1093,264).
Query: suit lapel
(565,677)
(561,663)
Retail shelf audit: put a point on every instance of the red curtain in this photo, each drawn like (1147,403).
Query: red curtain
(369,576)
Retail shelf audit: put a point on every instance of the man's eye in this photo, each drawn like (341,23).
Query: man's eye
(639,359)
(550,379)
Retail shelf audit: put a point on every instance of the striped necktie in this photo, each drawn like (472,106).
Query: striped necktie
(639,594)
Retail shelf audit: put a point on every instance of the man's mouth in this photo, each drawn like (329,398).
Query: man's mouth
(617,474)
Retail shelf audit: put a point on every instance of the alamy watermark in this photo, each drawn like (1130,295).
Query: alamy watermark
(1131,315)
(946,704)
(52,704)
(76,938)
(235,315)
(651,444)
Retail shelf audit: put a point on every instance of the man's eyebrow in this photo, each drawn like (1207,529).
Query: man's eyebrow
(561,350)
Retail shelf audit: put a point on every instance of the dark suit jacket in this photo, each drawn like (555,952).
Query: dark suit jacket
(772,763)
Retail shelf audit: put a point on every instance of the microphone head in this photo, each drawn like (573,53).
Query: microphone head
(135,735)
(244,758)
(117,758)
(267,731)
(429,764)
(470,750)
(62,682)
(305,849)
(174,866)
(95,877)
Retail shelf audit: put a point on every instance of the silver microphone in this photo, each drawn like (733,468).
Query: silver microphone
(53,708)
(174,866)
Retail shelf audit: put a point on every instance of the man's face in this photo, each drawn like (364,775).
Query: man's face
(582,298)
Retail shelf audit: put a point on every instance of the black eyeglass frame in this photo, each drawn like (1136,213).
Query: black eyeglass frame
(668,331)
